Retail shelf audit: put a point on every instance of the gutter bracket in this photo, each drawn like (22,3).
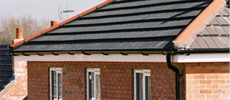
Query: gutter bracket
(106,54)
(124,54)
(55,54)
(85,53)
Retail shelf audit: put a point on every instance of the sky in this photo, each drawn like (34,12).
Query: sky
(44,9)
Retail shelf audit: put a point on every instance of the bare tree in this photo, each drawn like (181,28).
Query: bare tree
(30,26)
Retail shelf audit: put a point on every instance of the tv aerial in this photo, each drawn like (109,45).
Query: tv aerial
(63,12)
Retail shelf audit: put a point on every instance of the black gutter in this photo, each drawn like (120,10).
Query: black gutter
(209,50)
(177,75)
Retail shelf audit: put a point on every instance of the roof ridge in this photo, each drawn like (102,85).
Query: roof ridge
(62,23)
(198,23)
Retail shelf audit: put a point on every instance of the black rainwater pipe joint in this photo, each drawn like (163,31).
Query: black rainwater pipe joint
(177,75)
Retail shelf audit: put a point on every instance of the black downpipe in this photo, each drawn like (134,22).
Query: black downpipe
(177,75)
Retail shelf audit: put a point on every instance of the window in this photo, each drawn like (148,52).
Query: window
(55,84)
(93,84)
(142,84)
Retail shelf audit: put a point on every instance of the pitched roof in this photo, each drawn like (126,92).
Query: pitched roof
(121,25)
(215,35)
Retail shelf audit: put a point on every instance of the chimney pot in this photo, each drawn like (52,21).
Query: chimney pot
(53,22)
(19,34)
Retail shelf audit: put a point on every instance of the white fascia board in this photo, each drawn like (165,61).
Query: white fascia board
(95,57)
(202,57)
(209,57)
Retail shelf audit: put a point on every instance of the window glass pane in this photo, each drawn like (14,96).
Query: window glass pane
(139,86)
(59,86)
(147,92)
(91,85)
(54,88)
(98,87)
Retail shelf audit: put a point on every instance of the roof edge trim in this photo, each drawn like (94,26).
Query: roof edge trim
(198,23)
(61,23)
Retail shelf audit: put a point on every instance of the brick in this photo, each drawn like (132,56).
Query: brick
(191,63)
(192,82)
(228,63)
(212,96)
(218,91)
(218,63)
(212,86)
(215,76)
(205,71)
(226,86)
(205,63)
(224,96)
(212,67)
(199,77)
(192,72)
(188,67)
(205,81)
(188,96)
(220,71)
(199,67)
(218,81)
(205,91)
(198,86)
(189,77)
(192,91)
(189,87)
(225,67)
(198,96)
(224,76)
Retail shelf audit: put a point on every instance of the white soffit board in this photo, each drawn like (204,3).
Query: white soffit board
(211,57)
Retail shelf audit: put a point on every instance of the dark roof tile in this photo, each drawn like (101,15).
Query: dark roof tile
(108,35)
(143,44)
(148,9)
(121,25)
(134,18)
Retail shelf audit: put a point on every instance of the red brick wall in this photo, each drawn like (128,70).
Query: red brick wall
(38,82)
(208,81)
(116,80)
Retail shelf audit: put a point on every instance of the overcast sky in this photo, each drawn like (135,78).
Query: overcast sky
(48,9)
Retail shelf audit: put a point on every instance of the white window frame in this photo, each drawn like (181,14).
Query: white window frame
(145,72)
(96,71)
(57,70)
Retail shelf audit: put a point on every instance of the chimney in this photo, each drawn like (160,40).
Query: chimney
(53,22)
(19,35)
